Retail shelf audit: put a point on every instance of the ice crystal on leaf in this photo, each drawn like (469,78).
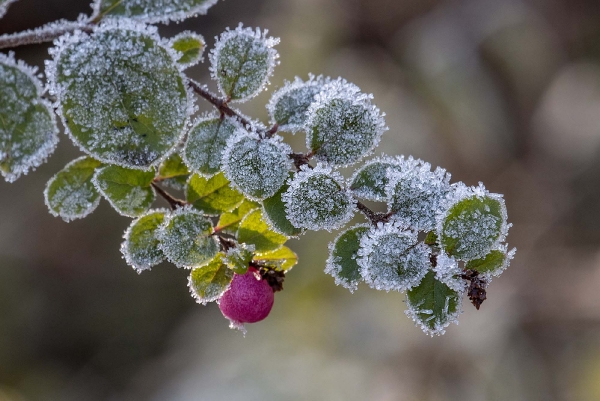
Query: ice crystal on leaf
(208,283)
(186,240)
(494,263)
(433,305)
(415,193)
(343,126)
(472,223)
(128,191)
(140,248)
(206,141)
(342,263)
(317,200)
(370,181)
(120,93)
(257,166)
(190,47)
(71,194)
(153,11)
(239,257)
(289,105)
(242,61)
(449,272)
(391,258)
(28,131)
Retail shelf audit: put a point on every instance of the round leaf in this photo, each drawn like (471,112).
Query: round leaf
(274,213)
(71,194)
(370,181)
(212,195)
(190,45)
(342,263)
(254,230)
(229,222)
(120,94)
(207,283)
(279,259)
(141,246)
(206,142)
(128,191)
(153,11)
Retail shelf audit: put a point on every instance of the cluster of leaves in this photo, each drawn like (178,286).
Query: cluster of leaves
(122,95)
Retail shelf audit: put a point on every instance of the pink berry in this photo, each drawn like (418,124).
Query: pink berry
(249,299)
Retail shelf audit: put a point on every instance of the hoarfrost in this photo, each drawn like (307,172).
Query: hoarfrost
(52,29)
(4,6)
(289,105)
(370,181)
(342,262)
(28,130)
(120,93)
(256,166)
(242,61)
(415,193)
(448,272)
(239,257)
(140,248)
(391,258)
(152,11)
(189,46)
(317,199)
(342,125)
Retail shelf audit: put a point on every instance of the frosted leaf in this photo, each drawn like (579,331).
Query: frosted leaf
(432,305)
(279,259)
(153,11)
(212,195)
(172,167)
(71,194)
(141,246)
(473,222)
(128,191)
(242,61)
(190,47)
(206,141)
(449,272)
(275,215)
(289,104)
(258,167)
(415,193)
(229,222)
(494,263)
(28,130)
(317,200)
(207,283)
(343,126)
(370,181)
(342,263)
(239,257)
(186,240)
(254,230)
(4,6)
(120,93)
(391,258)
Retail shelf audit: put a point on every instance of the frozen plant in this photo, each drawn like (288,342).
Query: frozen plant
(123,96)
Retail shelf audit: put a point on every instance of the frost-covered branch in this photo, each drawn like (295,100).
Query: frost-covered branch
(43,34)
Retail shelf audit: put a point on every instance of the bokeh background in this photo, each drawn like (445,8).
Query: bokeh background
(505,92)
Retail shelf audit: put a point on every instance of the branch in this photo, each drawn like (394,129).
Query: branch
(45,33)
(373,216)
(173,202)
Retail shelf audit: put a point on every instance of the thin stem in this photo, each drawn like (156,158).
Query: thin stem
(173,202)
(371,215)
(43,34)
(219,104)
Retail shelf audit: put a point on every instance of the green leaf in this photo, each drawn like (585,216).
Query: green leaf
(369,182)
(128,191)
(229,222)
(206,142)
(141,246)
(274,213)
(186,240)
(172,167)
(212,195)
(472,226)
(254,230)
(121,94)
(190,45)
(431,238)
(71,194)
(242,61)
(238,258)
(28,131)
(493,263)
(280,259)
(433,305)
(343,254)
(209,282)
(153,11)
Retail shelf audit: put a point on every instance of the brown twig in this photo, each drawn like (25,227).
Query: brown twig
(371,215)
(173,202)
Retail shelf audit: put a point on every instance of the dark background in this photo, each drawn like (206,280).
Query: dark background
(505,92)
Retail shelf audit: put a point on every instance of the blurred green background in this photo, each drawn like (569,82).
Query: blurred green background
(505,92)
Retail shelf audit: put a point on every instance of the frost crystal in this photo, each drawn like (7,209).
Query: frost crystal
(140,248)
(448,272)
(186,240)
(120,93)
(28,130)
(190,47)
(289,104)
(203,151)
(239,257)
(153,11)
(4,6)
(415,192)
(391,258)
(242,61)
(317,200)
(343,126)
(257,166)
(494,263)
(208,283)
(370,181)
(342,263)
(472,222)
